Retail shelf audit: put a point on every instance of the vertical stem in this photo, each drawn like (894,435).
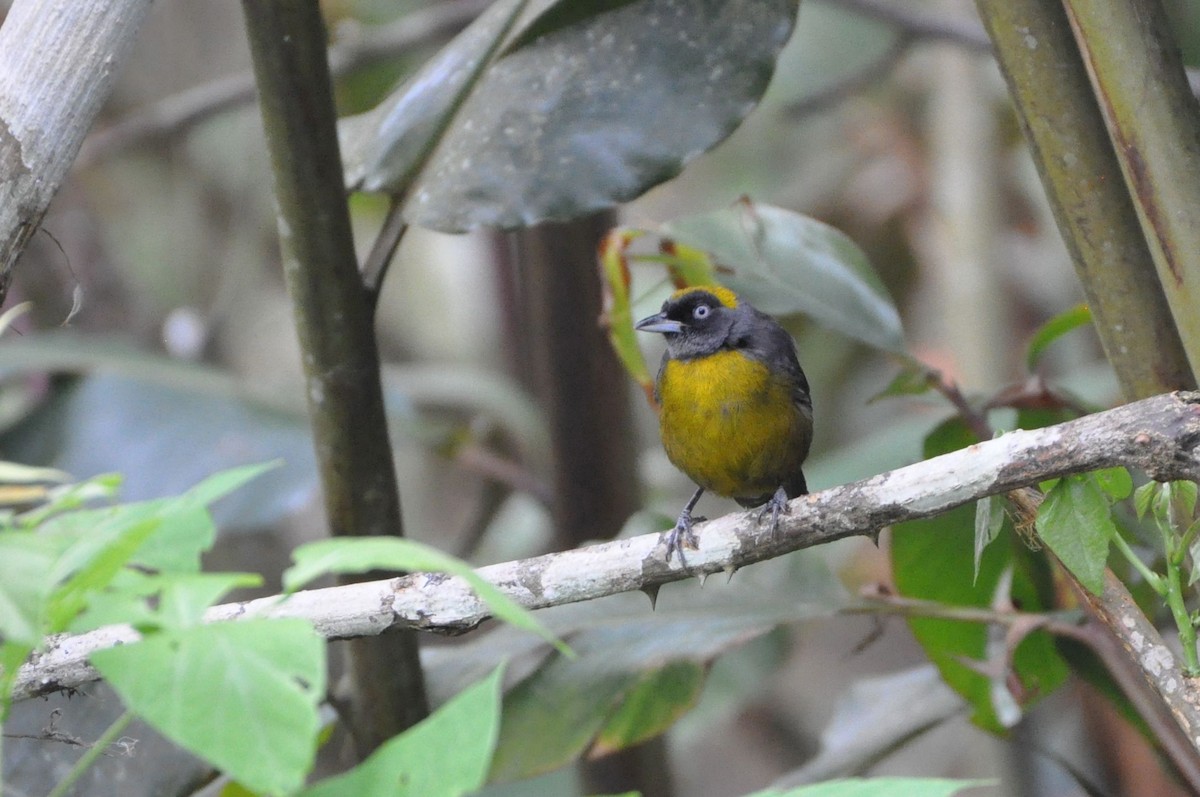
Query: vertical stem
(335,323)
(578,379)
(1079,170)
(1183,620)
(585,393)
(1137,73)
(1173,528)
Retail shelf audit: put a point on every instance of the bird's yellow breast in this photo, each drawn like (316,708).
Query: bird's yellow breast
(730,424)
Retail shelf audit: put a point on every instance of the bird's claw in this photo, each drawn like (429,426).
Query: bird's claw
(777,505)
(683,535)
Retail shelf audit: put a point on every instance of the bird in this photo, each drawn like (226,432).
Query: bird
(735,413)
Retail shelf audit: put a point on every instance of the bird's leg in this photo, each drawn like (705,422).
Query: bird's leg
(777,505)
(682,535)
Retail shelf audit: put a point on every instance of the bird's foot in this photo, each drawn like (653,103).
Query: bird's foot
(777,505)
(682,535)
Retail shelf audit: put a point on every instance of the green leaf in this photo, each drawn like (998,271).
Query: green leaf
(445,755)
(242,695)
(932,560)
(952,434)
(785,263)
(1055,328)
(1115,482)
(184,597)
(878,787)
(1144,497)
(650,706)
(913,379)
(91,565)
(12,656)
(221,484)
(989,519)
(593,111)
(363,554)
(1183,494)
(26,560)
(1075,521)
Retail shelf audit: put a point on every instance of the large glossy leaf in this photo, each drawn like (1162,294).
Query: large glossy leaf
(783,262)
(538,111)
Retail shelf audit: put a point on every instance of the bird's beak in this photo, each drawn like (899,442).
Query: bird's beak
(658,323)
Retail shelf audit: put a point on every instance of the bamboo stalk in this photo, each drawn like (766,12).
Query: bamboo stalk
(1154,122)
(1079,170)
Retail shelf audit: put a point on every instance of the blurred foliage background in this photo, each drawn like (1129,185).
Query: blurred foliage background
(161,346)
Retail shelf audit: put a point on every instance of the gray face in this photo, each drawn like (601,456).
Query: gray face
(694,325)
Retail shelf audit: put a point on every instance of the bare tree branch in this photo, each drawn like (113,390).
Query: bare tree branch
(1160,436)
(354,49)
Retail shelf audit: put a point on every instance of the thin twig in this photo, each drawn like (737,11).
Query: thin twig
(1083,628)
(965,33)
(356,48)
(852,83)
(379,259)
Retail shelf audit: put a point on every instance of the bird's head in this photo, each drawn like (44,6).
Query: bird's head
(694,321)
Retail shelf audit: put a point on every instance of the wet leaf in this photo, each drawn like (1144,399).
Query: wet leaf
(541,111)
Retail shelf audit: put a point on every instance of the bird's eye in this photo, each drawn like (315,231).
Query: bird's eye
(701,312)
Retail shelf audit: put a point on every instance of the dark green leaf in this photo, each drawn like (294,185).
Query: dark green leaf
(446,755)
(363,554)
(1054,329)
(785,263)
(932,560)
(586,115)
(560,15)
(951,434)
(650,706)
(242,695)
(1075,521)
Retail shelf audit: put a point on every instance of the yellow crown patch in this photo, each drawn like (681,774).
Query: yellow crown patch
(723,294)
